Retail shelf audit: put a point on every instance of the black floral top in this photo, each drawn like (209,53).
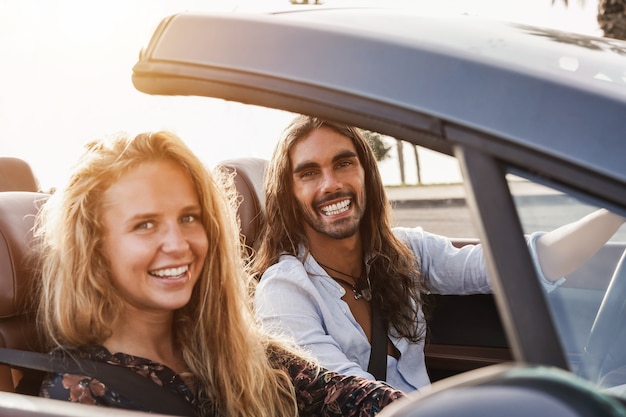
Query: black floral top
(318,393)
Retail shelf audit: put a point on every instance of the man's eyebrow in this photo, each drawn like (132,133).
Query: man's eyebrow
(310,164)
(344,155)
(304,166)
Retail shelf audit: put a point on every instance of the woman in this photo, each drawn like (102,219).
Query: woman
(141,267)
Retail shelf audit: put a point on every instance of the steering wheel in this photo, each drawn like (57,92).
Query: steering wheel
(604,351)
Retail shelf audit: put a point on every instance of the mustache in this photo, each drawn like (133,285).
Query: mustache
(334,196)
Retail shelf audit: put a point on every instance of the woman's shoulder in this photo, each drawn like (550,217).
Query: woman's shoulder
(84,389)
(99,353)
(88,389)
(295,361)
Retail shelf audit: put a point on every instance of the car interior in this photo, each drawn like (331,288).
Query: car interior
(16,175)
(457,341)
(17,322)
(464,332)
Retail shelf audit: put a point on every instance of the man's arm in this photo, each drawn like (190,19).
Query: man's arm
(565,249)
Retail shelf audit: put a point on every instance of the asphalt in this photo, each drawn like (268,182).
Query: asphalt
(452,194)
(426,195)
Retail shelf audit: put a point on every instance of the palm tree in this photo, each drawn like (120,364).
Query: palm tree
(376,142)
(611,17)
(400,146)
(417,164)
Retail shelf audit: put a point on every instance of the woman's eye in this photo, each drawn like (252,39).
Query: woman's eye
(189,219)
(144,226)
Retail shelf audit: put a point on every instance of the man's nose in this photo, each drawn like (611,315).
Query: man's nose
(331,182)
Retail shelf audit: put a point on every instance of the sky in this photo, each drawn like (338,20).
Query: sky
(65,79)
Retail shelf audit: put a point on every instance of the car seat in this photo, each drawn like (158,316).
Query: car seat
(17,281)
(248,178)
(16,175)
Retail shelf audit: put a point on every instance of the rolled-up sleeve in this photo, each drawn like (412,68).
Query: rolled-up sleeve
(446,269)
(547,285)
(450,270)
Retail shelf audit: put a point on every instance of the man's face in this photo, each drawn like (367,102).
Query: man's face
(329,184)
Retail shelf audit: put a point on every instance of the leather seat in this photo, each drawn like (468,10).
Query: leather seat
(17,281)
(248,177)
(16,175)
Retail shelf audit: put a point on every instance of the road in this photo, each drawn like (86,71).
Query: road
(451,221)
(443,210)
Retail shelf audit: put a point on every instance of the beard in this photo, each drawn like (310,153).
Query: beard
(336,229)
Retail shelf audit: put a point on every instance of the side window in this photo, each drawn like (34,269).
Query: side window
(426,189)
(588,307)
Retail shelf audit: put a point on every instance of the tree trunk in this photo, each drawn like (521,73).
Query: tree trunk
(417,165)
(400,145)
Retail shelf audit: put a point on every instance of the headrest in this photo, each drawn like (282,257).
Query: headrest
(16,175)
(249,173)
(17,216)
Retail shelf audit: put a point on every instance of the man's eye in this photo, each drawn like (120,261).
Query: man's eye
(344,164)
(307,174)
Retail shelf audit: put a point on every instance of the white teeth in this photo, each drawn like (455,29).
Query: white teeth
(170,272)
(336,208)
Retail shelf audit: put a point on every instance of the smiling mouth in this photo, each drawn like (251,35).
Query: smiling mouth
(170,273)
(336,208)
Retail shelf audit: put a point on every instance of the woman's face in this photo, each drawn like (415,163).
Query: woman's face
(154,238)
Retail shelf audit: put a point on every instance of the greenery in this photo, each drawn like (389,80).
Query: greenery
(375,140)
(611,17)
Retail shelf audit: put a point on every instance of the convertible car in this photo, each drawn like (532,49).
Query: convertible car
(535,118)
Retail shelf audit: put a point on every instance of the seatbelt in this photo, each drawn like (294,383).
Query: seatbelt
(378,355)
(139,389)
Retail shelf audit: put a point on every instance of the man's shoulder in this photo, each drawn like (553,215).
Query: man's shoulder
(287,264)
(285,276)
(407,233)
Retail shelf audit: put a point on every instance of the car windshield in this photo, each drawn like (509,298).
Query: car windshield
(588,307)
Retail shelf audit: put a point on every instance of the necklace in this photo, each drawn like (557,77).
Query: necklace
(360,289)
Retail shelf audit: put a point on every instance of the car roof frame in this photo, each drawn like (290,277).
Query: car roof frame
(486,153)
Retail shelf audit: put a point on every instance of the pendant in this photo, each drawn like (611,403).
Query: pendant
(362,291)
(365,294)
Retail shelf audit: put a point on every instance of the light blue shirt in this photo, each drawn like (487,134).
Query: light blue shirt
(298,299)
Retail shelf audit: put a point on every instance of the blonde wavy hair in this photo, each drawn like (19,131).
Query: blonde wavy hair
(221,343)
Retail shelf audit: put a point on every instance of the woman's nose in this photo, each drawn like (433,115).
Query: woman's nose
(175,240)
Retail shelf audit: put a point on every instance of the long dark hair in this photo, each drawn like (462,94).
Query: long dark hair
(394,271)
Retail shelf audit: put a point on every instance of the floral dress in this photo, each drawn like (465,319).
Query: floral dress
(318,392)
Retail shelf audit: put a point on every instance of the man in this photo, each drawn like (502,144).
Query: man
(329,257)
